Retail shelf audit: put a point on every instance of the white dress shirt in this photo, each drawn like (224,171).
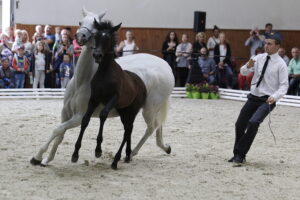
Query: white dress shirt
(275,81)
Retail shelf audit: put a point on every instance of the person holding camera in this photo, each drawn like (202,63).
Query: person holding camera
(255,41)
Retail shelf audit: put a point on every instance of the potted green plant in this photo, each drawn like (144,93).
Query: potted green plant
(204,90)
(188,89)
(195,92)
(214,92)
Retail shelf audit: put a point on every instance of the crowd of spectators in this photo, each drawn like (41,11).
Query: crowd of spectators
(50,59)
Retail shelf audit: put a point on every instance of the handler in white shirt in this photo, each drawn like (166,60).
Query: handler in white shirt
(269,84)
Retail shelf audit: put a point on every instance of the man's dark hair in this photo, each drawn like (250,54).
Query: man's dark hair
(268,24)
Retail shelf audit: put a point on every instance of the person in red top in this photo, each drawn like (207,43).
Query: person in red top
(21,66)
(77,51)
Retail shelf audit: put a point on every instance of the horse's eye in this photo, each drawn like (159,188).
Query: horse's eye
(79,23)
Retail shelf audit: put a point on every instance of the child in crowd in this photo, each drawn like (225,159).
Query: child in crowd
(21,66)
(7,77)
(66,71)
(39,65)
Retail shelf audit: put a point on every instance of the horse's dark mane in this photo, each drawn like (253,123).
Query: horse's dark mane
(107,26)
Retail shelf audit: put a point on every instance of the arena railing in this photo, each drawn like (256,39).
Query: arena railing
(178,92)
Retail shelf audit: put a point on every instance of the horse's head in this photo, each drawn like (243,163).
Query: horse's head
(87,29)
(105,39)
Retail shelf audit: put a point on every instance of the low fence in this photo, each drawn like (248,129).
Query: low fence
(178,92)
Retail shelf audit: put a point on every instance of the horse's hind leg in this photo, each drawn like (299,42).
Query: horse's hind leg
(160,141)
(59,131)
(75,121)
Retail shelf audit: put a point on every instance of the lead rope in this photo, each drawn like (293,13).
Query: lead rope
(269,123)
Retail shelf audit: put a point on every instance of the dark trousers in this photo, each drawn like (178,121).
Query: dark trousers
(251,116)
(182,74)
(294,83)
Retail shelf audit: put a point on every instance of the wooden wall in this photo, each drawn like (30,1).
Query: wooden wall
(152,38)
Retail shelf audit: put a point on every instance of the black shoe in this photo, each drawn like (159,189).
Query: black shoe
(231,159)
(238,159)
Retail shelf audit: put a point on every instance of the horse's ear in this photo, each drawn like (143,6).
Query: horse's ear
(116,28)
(101,15)
(84,11)
(96,24)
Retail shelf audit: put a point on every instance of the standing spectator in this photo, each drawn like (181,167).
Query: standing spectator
(21,66)
(183,53)
(268,30)
(7,76)
(57,34)
(244,82)
(222,58)
(281,52)
(294,71)
(77,50)
(213,41)
(65,70)
(18,40)
(9,31)
(5,47)
(199,42)
(38,35)
(61,49)
(128,46)
(40,65)
(27,44)
(207,65)
(169,48)
(255,41)
(49,37)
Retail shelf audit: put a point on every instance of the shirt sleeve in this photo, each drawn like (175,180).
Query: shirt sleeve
(290,68)
(283,83)
(245,70)
(248,41)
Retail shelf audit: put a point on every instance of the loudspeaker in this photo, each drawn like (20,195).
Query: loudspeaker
(199,21)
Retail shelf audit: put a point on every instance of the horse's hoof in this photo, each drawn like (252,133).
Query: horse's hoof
(34,161)
(43,165)
(127,159)
(168,150)
(74,159)
(114,166)
(98,154)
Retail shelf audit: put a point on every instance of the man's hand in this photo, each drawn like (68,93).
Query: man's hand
(271,100)
(250,63)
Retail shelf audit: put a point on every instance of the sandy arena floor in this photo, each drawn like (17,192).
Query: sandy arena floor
(201,134)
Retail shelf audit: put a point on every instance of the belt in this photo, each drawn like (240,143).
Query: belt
(254,98)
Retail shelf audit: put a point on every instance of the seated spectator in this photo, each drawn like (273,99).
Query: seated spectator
(222,58)
(281,52)
(7,76)
(21,65)
(169,48)
(66,70)
(199,42)
(255,41)
(49,37)
(244,82)
(207,65)
(5,47)
(213,41)
(40,65)
(294,71)
(128,46)
(183,53)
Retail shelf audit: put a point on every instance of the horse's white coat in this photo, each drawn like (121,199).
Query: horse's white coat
(155,73)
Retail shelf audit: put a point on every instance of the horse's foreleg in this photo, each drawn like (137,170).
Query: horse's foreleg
(74,122)
(59,131)
(103,116)
(84,123)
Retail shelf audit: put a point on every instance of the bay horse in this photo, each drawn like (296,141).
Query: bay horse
(154,71)
(115,89)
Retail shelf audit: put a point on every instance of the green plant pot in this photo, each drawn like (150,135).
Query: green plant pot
(189,94)
(205,95)
(196,95)
(214,95)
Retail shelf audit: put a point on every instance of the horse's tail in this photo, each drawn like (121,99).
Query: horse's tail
(163,112)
